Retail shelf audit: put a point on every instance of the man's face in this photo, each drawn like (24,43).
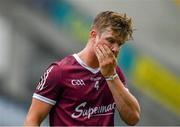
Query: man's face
(109,39)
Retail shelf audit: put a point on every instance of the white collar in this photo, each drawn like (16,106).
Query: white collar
(78,59)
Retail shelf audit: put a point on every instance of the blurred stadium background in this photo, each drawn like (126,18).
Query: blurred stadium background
(33,33)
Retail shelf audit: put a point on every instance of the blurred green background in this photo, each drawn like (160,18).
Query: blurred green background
(34,33)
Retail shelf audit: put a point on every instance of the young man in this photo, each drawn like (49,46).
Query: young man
(84,88)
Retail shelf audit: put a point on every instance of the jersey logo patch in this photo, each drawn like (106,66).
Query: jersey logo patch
(77,82)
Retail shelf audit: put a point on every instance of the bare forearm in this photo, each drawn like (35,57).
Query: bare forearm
(126,103)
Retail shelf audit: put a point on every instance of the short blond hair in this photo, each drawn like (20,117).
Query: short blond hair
(120,24)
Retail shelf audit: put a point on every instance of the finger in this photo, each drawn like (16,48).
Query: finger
(108,51)
(104,52)
(99,54)
(100,47)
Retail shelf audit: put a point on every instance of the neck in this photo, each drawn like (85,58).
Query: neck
(88,56)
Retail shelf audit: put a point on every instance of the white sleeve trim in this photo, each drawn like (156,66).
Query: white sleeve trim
(44,99)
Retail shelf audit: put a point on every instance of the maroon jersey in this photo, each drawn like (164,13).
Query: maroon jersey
(80,94)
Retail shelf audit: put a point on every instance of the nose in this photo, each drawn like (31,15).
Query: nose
(115,48)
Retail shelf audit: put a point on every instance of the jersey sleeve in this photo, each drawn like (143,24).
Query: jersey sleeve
(48,89)
(121,76)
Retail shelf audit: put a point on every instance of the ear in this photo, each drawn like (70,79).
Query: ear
(93,34)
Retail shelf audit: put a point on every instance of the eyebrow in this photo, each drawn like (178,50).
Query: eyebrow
(114,40)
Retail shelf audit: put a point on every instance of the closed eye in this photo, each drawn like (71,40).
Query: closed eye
(111,40)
